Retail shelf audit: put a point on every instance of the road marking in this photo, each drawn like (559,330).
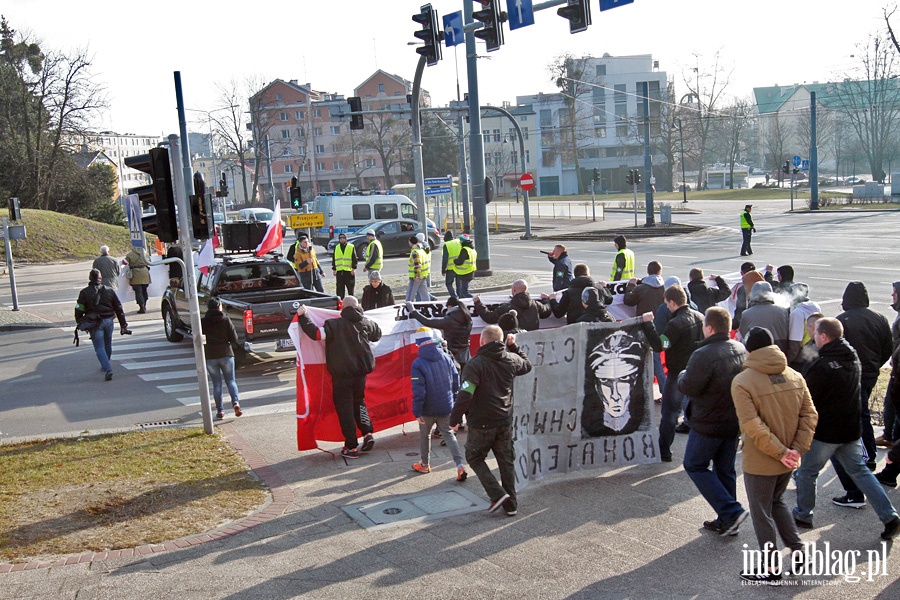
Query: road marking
(879,269)
(828,278)
(154,354)
(679,256)
(168,375)
(192,400)
(809,264)
(177,362)
(138,343)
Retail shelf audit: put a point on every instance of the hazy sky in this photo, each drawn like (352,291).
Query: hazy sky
(335,45)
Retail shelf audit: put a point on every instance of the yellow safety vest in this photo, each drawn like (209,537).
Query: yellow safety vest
(469,265)
(414,252)
(453,248)
(343,259)
(744,223)
(628,271)
(376,266)
(426,262)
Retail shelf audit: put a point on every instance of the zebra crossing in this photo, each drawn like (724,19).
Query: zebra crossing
(266,387)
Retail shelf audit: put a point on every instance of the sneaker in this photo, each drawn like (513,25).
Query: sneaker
(885,479)
(237,410)
(882,442)
(733,527)
(420,468)
(368,442)
(511,513)
(350,452)
(220,415)
(683,428)
(108,376)
(891,529)
(461,474)
(803,524)
(847,502)
(666,458)
(715,525)
(762,579)
(495,504)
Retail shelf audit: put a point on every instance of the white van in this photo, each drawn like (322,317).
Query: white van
(347,213)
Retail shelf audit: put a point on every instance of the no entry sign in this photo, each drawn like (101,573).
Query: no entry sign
(526,181)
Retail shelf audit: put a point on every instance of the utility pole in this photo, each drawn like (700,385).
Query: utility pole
(476,152)
(648,163)
(813,156)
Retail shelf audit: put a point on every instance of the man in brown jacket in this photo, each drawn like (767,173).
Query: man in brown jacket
(778,420)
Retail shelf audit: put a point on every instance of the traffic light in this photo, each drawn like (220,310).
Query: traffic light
(159,193)
(223,187)
(795,170)
(629,177)
(14,213)
(787,167)
(637,176)
(488,190)
(356,119)
(200,222)
(296,194)
(492,18)
(578,12)
(430,34)
(596,175)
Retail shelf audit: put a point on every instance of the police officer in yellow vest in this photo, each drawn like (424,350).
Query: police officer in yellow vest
(623,265)
(465,265)
(747,230)
(374,253)
(451,250)
(419,269)
(303,256)
(343,266)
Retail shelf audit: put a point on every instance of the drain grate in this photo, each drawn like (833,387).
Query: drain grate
(159,423)
(415,508)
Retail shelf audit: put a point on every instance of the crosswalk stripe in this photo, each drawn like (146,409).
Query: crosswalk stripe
(138,343)
(192,400)
(168,376)
(154,354)
(176,362)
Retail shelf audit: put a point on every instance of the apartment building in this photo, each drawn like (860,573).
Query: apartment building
(117,147)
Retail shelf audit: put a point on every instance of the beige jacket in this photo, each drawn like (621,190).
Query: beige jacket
(775,410)
(140,269)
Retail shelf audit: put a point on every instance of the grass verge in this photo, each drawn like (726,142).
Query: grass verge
(116,491)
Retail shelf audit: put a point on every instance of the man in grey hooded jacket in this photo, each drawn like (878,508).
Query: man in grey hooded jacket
(763,312)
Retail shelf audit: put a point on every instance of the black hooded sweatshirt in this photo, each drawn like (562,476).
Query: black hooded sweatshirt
(457,327)
(529,312)
(569,303)
(220,335)
(833,382)
(866,330)
(347,338)
(485,386)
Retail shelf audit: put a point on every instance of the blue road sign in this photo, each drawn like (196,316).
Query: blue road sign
(134,213)
(453,29)
(804,166)
(610,4)
(796,160)
(438,181)
(435,191)
(520,13)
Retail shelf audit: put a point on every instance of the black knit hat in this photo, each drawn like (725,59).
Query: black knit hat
(759,337)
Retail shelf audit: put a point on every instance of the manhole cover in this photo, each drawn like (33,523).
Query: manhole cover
(412,453)
(415,508)
(392,511)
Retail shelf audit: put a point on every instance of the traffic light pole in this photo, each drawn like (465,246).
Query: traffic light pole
(518,129)
(476,152)
(10,264)
(416,143)
(648,161)
(183,185)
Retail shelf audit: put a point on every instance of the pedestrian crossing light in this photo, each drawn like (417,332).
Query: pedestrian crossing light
(492,19)
(430,34)
(159,193)
(578,12)
(296,194)
(596,175)
(637,176)
(629,177)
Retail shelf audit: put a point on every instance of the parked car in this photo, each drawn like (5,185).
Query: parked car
(394,237)
(682,186)
(854,179)
(257,215)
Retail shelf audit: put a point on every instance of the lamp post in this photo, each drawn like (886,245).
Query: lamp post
(677,123)
(506,140)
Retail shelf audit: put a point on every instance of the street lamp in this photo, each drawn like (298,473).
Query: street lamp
(677,123)
(506,140)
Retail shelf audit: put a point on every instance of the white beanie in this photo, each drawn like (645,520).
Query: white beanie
(423,335)
(420,237)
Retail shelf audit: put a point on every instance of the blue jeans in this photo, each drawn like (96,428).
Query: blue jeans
(220,368)
(417,290)
(719,485)
(671,407)
(659,372)
(102,341)
(449,280)
(851,457)
(462,287)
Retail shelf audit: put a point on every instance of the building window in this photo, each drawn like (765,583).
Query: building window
(338,165)
(498,137)
(287,151)
(546,118)
(523,119)
(320,166)
(304,167)
(282,116)
(370,162)
(277,97)
(317,131)
(486,134)
(301,151)
(528,157)
(600,132)
(288,168)
(487,159)
(300,132)
(318,113)
(298,114)
(514,157)
(601,70)
(320,148)
(285,134)
(335,130)
(380,88)
(525,133)
(620,96)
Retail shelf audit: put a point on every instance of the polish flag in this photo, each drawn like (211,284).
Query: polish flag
(207,257)
(274,236)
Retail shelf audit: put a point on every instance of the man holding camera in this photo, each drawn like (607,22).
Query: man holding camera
(94,312)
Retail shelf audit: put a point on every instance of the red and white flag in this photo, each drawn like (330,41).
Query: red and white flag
(207,256)
(274,235)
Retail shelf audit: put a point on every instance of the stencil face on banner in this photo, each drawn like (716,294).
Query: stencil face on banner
(614,400)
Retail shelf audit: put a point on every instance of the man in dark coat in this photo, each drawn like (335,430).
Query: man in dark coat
(706,381)
(870,335)
(100,304)
(595,310)
(349,358)
(485,397)
(705,295)
(833,380)
(529,312)
(456,325)
(569,303)
(377,294)
(647,294)
(562,267)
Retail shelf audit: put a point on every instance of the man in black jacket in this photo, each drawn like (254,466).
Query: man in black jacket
(569,303)
(349,358)
(529,312)
(562,267)
(703,294)
(713,438)
(456,325)
(681,333)
(99,304)
(833,381)
(870,335)
(485,397)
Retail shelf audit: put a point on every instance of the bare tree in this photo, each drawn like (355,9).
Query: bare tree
(230,130)
(568,74)
(775,138)
(869,98)
(261,122)
(729,128)
(387,135)
(706,85)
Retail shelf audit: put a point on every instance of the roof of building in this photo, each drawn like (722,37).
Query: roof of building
(86,158)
